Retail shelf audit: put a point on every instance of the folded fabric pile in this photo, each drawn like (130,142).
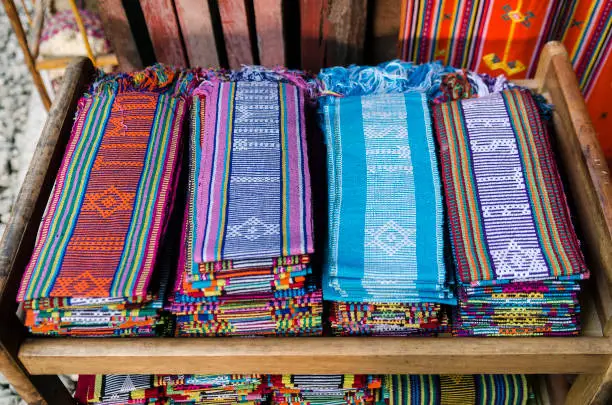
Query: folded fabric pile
(170,389)
(390,319)
(194,389)
(339,389)
(92,271)
(118,389)
(248,229)
(486,389)
(386,219)
(516,253)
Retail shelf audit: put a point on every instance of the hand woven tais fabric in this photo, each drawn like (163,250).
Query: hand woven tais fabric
(250,171)
(244,269)
(107,215)
(508,213)
(117,389)
(212,389)
(486,389)
(391,319)
(509,219)
(338,389)
(385,201)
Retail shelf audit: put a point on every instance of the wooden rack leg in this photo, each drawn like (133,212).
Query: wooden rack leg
(595,389)
(11,12)
(35,390)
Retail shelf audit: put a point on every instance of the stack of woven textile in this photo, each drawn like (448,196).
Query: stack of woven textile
(95,269)
(516,253)
(118,389)
(486,389)
(170,389)
(385,264)
(248,231)
(212,389)
(339,389)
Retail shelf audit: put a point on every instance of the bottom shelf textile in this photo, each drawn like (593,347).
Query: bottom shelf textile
(336,389)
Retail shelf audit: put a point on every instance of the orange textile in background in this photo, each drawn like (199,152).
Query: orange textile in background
(507,36)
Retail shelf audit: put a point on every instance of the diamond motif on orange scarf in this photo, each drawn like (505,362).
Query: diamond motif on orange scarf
(109,201)
(84,285)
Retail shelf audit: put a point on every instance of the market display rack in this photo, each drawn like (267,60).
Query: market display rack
(31,363)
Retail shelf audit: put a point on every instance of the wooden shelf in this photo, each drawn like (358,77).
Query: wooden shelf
(327,355)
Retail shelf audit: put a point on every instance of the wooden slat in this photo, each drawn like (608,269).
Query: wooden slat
(269,25)
(197,29)
(591,389)
(556,386)
(586,169)
(347,31)
(383,45)
(37,26)
(11,12)
(314,30)
(18,239)
(236,33)
(369,355)
(164,31)
(333,32)
(117,30)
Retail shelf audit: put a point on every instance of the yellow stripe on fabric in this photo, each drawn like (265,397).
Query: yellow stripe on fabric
(578,44)
(451,29)
(419,29)
(80,190)
(228,156)
(458,185)
(571,18)
(148,195)
(557,245)
(472,197)
(535,174)
(593,61)
(470,30)
(470,204)
(284,168)
(42,257)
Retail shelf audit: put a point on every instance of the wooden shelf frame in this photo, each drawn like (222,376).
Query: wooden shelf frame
(589,355)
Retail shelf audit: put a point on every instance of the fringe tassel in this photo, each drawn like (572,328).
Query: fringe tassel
(157,79)
(252,73)
(389,77)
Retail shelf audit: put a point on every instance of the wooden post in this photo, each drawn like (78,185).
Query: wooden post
(270,38)
(347,33)
(164,31)
(591,389)
(333,32)
(197,29)
(11,12)
(236,33)
(117,29)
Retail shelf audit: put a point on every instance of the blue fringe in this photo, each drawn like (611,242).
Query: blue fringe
(389,77)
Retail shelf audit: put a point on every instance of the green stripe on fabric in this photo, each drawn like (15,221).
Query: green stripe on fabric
(93,131)
(153,167)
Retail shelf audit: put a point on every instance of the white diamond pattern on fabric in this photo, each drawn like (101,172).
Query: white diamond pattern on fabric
(510,232)
(390,193)
(252,229)
(390,237)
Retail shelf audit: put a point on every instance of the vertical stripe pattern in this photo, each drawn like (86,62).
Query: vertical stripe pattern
(508,214)
(102,229)
(253,187)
